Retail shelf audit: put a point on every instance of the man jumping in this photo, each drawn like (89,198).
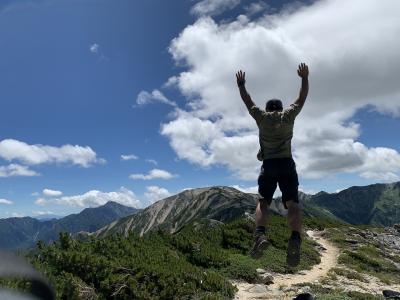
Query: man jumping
(275,134)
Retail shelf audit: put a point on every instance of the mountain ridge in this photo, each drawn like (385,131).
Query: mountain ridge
(20,233)
(354,205)
(375,204)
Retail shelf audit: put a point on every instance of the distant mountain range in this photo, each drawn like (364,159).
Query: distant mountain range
(20,233)
(377,204)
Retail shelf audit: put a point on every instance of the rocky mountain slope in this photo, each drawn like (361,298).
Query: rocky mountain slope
(356,263)
(377,204)
(220,203)
(19,233)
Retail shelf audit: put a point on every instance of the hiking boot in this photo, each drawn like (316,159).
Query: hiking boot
(260,244)
(293,251)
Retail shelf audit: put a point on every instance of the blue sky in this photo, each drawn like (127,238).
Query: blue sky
(72,72)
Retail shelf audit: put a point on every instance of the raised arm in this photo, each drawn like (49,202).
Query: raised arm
(241,81)
(303,73)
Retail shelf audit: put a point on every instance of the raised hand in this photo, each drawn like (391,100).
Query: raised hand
(302,71)
(241,78)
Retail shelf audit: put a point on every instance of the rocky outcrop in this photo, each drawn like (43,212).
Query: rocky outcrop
(218,203)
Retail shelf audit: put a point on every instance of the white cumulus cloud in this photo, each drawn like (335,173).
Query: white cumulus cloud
(5,201)
(145,97)
(51,193)
(42,213)
(94,48)
(154,193)
(96,198)
(153,174)
(249,189)
(129,157)
(17,215)
(152,161)
(353,64)
(256,7)
(41,201)
(14,150)
(16,170)
(213,7)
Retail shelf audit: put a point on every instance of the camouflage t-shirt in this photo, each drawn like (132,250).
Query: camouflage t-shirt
(275,131)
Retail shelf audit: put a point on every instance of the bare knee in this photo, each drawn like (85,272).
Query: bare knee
(292,205)
(264,204)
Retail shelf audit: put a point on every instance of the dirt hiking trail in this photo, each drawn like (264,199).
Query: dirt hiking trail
(329,257)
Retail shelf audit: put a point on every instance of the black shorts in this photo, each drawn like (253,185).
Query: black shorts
(280,171)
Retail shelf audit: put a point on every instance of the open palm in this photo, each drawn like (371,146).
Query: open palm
(302,71)
(241,78)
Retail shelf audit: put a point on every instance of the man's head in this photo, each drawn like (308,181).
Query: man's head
(274,105)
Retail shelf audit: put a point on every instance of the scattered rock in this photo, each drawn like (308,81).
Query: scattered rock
(265,278)
(258,288)
(249,216)
(397,265)
(305,289)
(302,273)
(363,234)
(389,294)
(388,240)
(261,271)
(289,289)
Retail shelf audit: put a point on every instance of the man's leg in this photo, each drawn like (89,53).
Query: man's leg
(266,188)
(260,239)
(288,183)
(294,215)
(262,212)
(294,220)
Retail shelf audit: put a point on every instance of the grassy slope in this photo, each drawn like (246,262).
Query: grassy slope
(387,209)
(355,263)
(377,204)
(196,262)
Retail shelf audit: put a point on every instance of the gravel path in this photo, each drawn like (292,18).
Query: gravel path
(329,258)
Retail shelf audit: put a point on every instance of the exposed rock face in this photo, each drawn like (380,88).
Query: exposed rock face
(218,203)
(356,205)
(387,239)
